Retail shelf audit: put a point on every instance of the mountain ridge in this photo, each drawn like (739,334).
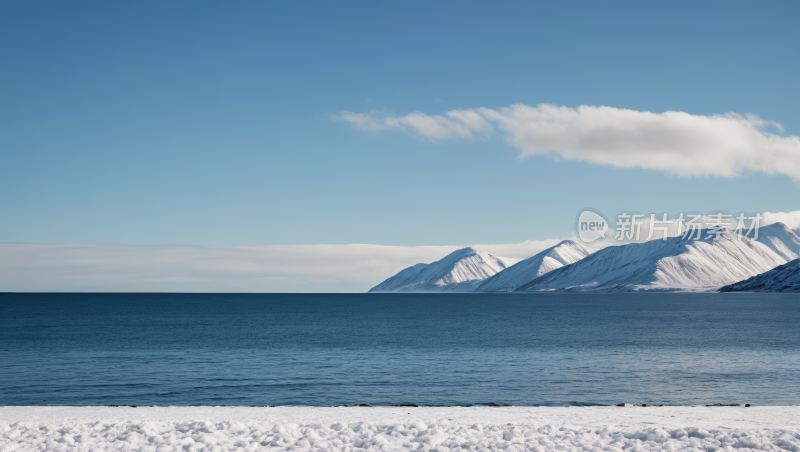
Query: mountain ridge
(672,264)
(459,271)
(564,253)
(781,239)
(783,278)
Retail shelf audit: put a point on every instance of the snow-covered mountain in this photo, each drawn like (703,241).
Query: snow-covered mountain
(527,270)
(672,264)
(785,278)
(780,239)
(459,271)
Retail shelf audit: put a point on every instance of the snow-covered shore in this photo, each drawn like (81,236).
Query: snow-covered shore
(399,428)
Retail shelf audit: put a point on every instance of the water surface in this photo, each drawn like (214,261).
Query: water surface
(390,349)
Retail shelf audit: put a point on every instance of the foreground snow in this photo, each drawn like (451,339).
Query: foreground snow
(400,428)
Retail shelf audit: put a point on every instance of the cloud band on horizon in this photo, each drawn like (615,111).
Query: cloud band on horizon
(49,267)
(675,142)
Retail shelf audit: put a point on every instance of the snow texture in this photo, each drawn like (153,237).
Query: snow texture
(523,272)
(399,428)
(780,239)
(677,263)
(785,278)
(460,271)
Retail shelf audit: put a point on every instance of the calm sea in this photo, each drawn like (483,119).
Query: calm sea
(391,349)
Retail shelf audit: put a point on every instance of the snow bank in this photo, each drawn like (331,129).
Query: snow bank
(401,428)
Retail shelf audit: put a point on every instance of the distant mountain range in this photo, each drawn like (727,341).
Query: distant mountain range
(663,265)
(525,271)
(459,271)
(672,264)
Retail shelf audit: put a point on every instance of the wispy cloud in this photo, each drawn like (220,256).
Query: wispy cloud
(725,145)
(362,121)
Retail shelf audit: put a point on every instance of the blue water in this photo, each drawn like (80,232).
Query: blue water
(390,349)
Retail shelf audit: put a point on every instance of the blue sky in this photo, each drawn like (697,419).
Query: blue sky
(212,123)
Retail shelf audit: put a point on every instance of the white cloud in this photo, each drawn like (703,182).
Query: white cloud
(433,127)
(361,120)
(260,268)
(471,119)
(676,142)
(790,219)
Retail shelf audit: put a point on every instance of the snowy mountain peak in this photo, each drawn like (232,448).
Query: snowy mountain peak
(525,271)
(462,252)
(779,238)
(459,271)
(675,263)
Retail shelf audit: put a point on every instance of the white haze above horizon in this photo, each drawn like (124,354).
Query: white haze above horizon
(37,267)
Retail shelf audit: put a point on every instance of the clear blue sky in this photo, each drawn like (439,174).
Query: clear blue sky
(193,122)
